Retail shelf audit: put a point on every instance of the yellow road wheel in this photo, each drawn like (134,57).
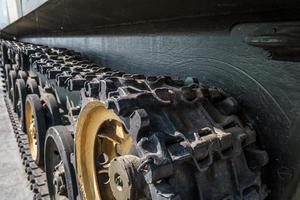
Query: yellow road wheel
(35,127)
(100,139)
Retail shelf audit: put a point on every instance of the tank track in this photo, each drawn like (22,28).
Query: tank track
(35,175)
(209,150)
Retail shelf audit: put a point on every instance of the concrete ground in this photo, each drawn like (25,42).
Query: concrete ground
(13,182)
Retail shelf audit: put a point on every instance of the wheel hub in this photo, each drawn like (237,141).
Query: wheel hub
(59,182)
(124,177)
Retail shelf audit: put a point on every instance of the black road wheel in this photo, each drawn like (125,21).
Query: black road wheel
(7,82)
(60,172)
(24,61)
(22,74)
(35,127)
(21,92)
(12,90)
(52,111)
(33,86)
(7,68)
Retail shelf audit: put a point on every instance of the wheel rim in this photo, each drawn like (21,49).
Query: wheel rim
(19,105)
(7,82)
(55,168)
(31,130)
(59,145)
(12,79)
(57,179)
(100,137)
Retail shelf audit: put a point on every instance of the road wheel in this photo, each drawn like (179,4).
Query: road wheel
(35,127)
(23,75)
(52,110)
(61,179)
(33,86)
(102,145)
(21,94)
(12,90)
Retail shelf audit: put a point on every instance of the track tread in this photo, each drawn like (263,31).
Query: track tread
(36,175)
(151,110)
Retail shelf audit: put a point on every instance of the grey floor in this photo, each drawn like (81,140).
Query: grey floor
(13,182)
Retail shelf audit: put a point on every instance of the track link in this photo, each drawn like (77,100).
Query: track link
(191,139)
(35,175)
